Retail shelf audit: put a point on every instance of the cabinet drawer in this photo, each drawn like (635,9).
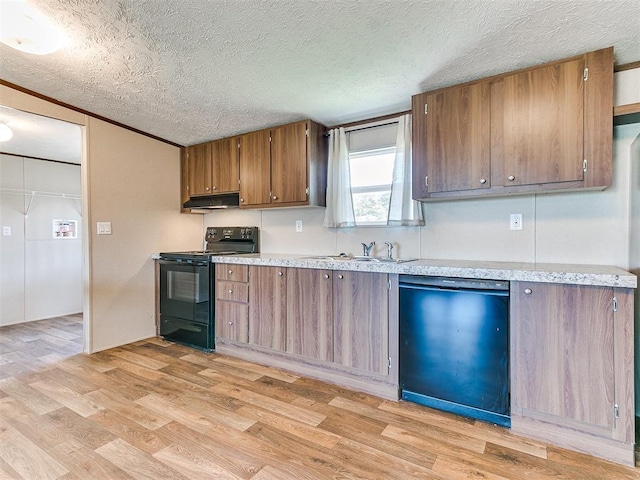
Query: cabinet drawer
(232,273)
(232,291)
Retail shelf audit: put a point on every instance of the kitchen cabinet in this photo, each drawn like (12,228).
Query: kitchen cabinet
(267,307)
(200,166)
(572,365)
(225,165)
(255,169)
(310,313)
(361,320)
(283,166)
(232,303)
(453,139)
(541,129)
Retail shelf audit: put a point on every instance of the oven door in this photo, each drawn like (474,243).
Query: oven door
(186,308)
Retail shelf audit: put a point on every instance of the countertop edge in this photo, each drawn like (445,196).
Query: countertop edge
(595,275)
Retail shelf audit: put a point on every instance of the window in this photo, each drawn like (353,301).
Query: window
(371,176)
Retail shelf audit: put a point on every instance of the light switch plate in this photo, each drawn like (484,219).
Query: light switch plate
(6,231)
(104,228)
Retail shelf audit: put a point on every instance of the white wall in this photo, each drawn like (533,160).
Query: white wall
(133,182)
(41,276)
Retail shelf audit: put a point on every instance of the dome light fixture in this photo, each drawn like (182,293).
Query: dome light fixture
(5,132)
(25,29)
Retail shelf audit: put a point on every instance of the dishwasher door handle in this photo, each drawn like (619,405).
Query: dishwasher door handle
(497,293)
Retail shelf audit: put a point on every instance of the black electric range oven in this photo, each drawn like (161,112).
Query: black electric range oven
(187,284)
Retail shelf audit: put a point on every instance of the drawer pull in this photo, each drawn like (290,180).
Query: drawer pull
(230,272)
(483,181)
(528,291)
(230,291)
(326,276)
(230,323)
(340,277)
(280,274)
(511,178)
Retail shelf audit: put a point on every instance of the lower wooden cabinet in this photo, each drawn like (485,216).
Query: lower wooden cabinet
(310,313)
(232,303)
(572,366)
(361,320)
(267,307)
(337,318)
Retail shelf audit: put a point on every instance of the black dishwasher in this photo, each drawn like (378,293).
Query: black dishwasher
(454,345)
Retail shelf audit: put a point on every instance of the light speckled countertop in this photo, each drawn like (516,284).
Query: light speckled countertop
(600,275)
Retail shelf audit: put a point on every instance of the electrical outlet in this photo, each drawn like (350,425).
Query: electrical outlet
(6,231)
(516,221)
(298,225)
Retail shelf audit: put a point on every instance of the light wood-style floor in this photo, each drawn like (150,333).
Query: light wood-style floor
(154,410)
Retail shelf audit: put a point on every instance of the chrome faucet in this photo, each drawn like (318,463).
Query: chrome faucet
(389,249)
(367,249)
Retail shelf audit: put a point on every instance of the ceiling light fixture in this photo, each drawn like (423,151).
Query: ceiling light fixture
(25,29)
(5,132)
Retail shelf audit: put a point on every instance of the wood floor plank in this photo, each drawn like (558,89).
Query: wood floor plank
(136,463)
(224,453)
(182,459)
(29,396)
(252,367)
(263,401)
(112,400)
(149,441)
(71,399)
(299,429)
(480,430)
(25,457)
(433,432)
(199,421)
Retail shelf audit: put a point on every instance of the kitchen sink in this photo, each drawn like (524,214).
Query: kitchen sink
(357,258)
(382,259)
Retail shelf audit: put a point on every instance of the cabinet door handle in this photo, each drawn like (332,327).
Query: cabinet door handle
(230,272)
(483,181)
(230,291)
(340,277)
(242,200)
(326,276)
(215,188)
(230,323)
(528,291)
(280,274)
(207,188)
(511,178)
(274,197)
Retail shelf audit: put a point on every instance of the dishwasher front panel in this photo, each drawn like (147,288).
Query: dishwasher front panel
(454,350)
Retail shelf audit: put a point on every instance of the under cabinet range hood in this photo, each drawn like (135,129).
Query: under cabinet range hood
(212,202)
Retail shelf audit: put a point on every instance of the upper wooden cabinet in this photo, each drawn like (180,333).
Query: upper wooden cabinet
(225,168)
(283,166)
(539,129)
(454,138)
(211,168)
(200,169)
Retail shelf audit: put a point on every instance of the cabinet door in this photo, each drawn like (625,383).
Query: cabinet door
(563,354)
(255,169)
(543,125)
(361,320)
(200,169)
(309,313)
(267,307)
(185,187)
(289,163)
(458,129)
(225,165)
(232,321)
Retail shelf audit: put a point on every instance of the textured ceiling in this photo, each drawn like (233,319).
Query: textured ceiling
(196,70)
